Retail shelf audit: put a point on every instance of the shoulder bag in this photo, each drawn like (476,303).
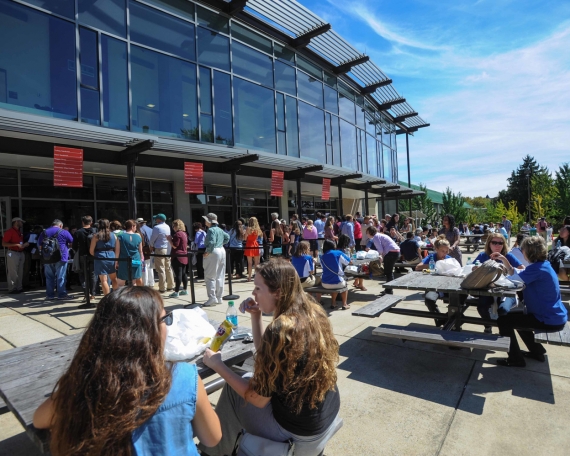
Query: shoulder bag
(482,277)
(252,445)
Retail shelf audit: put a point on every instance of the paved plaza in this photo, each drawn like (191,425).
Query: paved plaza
(397,398)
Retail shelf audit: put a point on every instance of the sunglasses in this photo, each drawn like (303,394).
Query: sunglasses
(497,243)
(168,319)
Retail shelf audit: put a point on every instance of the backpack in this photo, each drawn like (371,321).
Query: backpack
(50,248)
(482,277)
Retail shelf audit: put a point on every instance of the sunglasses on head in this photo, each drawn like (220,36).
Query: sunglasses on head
(168,319)
(497,242)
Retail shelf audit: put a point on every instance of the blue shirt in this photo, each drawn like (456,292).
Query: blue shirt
(303,265)
(504,232)
(169,431)
(320,226)
(427,259)
(235,243)
(158,238)
(515,263)
(199,238)
(332,263)
(63,238)
(542,293)
(347,228)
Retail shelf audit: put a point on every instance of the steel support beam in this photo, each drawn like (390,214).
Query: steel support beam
(300,172)
(343,179)
(234,196)
(304,39)
(404,117)
(299,199)
(339,190)
(129,157)
(409,175)
(347,66)
(372,87)
(388,104)
(365,211)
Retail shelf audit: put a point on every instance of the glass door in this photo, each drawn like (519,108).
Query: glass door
(5,223)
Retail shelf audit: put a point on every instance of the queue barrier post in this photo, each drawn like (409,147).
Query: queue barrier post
(86,280)
(130,271)
(191,274)
(230,296)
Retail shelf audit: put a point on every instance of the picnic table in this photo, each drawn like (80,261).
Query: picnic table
(473,240)
(28,375)
(451,333)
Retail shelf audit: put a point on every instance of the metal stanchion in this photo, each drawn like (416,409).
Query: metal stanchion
(191,277)
(230,296)
(86,279)
(130,271)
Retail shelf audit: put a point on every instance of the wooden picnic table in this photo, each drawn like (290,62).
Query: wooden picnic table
(472,241)
(28,375)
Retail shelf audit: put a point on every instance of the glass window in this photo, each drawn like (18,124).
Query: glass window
(115,83)
(335,128)
(310,68)
(37,212)
(346,108)
(292,127)
(212,20)
(162,192)
(90,107)
(380,160)
(250,37)
(111,189)
(348,142)
(331,100)
(213,49)
(361,150)
(144,210)
(328,132)
(220,195)
(44,82)
(223,108)
(253,198)
(393,139)
(8,182)
(360,117)
(387,163)
(182,9)
(37,184)
(62,7)
(281,141)
(106,15)
(163,94)
(285,78)
(197,199)
(312,132)
(370,127)
(206,123)
(330,80)
(372,160)
(114,211)
(252,64)
(143,190)
(255,116)
(283,53)
(161,31)
(310,89)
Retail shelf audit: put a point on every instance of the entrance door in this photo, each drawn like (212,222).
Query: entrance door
(5,223)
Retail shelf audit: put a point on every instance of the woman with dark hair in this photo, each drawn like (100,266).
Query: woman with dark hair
(236,248)
(393,223)
(333,261)
(452,234)
(119,396)
(292,393)
(179,254)
(129,245)
(330,230)
(564,239)
(103,246)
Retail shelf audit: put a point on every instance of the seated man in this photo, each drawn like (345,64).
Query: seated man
(410,250)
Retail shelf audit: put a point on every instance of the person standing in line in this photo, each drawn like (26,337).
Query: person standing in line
(275,233)
(214,260)
(366,222)
(347,228)
(508,226)
(179,253)
(13,240)
(148,270)
(55,267)
(329,230)
(103,250)
(320,222)
(452,235)
(295,220)
(310,234)
(199,237)
(81,245)
(389,251)
(159,245)
(236,247)
(357,234)
(252,246)
(129,245)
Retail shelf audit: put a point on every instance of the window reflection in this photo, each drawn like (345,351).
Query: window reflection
(348,143)
(250,37)
(312,132)
(213,49)
(292,127)
(223,108)
(90,111)
(346,108)
(212,20)
(310,89)
(285,78)
(331,101)
(252,64)
(107,15)
(206,122)
(64,8)
(255,116)
(372,161)
(115,83)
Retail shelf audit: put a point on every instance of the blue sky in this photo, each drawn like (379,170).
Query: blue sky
(492,77)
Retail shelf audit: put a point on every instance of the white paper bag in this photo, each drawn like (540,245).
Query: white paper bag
(361,255)
(372,255)
(449,267)
(186,335)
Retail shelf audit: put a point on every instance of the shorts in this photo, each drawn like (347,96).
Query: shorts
(332,286)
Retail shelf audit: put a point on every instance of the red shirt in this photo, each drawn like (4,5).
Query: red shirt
(13,236)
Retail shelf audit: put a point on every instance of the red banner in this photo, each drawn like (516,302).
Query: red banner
(326,195)
(67,167)
(194,178)
(277,183)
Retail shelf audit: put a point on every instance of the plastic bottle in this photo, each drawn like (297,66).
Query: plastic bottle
(558,244)
(231,314)
(431,263)
(469,260)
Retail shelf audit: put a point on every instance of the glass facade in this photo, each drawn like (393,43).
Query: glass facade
(180,70)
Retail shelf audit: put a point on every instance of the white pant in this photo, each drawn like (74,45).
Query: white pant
(15,263)
(214,272)
(148,274)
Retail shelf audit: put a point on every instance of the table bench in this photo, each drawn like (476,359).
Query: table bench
(469,245)
(380,305)
(28,375)
(406,265)
(321,290)
(554,337)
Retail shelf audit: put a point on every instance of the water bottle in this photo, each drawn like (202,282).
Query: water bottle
(431,264)
(558,244)
(231,314)
(469,260)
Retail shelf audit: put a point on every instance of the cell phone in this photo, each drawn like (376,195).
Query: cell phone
(240,336)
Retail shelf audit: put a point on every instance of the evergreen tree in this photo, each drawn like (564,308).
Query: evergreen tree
(562,184)
(422,203)
(543,187)
(454,204)
(517,189)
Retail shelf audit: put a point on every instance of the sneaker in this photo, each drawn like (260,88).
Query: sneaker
(66,298)
(173,295)
(183,293)
(488,330)
(210,302)
(53,298)
(220,301)
(87,306)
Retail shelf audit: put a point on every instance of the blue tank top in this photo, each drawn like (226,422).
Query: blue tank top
(169,431)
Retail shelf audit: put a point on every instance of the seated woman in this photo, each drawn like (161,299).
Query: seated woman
(303,263)
(119,396)
(292,393)
(496,243)
(542,300)
(441,250)
(332,262)
(564,239)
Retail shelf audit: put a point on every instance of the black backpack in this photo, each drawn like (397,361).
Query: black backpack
(50,248)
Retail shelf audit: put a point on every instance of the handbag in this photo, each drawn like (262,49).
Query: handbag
(252,445)
(277,251)
(482,277)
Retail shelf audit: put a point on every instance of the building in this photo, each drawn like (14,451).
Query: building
(143,86)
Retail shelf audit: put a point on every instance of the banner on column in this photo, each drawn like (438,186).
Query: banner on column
(277,183)
(193,178)
(326,195)
(67,167)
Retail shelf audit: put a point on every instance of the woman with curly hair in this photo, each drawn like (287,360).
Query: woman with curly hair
(292,393)
(119,396)
(452,234)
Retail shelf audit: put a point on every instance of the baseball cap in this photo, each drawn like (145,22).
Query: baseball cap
(211,218)
(141,220)
(18,219)
(160,216)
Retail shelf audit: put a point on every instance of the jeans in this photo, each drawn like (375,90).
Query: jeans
(55,276)
(92,285)
(236,256)
(179,275)
(389,261)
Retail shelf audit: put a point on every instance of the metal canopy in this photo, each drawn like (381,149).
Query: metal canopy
(294,20)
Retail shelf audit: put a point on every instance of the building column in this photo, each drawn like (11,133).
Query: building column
(182,203)
(132,189)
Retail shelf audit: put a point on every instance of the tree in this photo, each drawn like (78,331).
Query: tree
(562,184)
(517,189)
(476,202)
(515,216)
(422,203)
(454,204)
(542,184)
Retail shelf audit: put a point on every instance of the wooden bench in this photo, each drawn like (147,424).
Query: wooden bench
(554,338)
(461,339)
(406,265)
(375,308)
(469,245)
(322,290)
